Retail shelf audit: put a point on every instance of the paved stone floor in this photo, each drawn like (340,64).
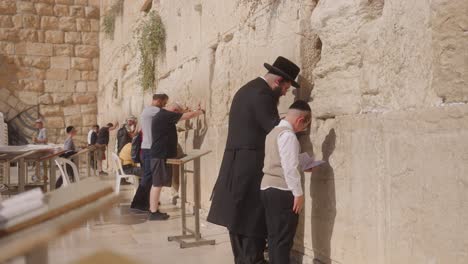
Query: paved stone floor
(131,235)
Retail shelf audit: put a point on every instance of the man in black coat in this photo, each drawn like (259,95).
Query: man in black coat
(236,200)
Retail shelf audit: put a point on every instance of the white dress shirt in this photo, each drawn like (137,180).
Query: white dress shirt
(289,147)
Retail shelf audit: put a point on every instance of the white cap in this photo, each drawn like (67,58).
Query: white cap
(39,120)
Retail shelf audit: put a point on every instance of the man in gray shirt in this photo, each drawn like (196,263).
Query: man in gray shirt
(41,137)
(141,198)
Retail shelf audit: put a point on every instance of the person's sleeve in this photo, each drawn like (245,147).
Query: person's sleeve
(266,112)
(174,117)
(93,138)
(45,134)
(288,147)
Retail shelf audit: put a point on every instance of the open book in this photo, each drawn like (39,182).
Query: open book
(306,162)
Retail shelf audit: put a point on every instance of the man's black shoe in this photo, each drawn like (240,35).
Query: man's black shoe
(124,182)
(158,216)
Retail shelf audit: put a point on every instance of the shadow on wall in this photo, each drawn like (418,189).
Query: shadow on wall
(322,192)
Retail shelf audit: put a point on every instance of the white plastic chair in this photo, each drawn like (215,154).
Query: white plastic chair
(61,164)
(119,172)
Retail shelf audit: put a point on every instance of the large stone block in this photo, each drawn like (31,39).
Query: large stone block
(36,61)
(61,10)
(6,22)
(92,12)
(83,24)
(95,3)
(89,75)
(31,21)
(73,120)
(86,51)
(81,64)
(7,47)
(89,120)
(67,24)
(63,50)
(39,49)
(74,75)
(89,109)
(62,98)
(32,85)
(65,2)
(17,20)
(80,87)
(59,86)
(55,37)
(39,74)
(60,62)
(90,38)
(57,74)
(50,110)
(77,11)
(28,97)
(9,34)
(29,35)
(25,7)
(44,9)
(84,98)
(45,99)
(55,122)
(95,25)
(7,7)
(92,86)
(71,110)
(73,37)
(49,23)
(40,36)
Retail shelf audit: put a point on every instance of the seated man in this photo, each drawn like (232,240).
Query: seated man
(41,136)
(128,166)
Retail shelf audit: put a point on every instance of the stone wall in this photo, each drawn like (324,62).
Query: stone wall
(49,60)
(387,82)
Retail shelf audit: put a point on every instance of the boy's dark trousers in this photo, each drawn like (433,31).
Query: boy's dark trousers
(281,223)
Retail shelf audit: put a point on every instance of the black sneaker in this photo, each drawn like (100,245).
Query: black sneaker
(158,216)
(124,182)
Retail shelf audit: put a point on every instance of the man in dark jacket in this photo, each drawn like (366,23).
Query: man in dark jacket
(236,200)
(126,133)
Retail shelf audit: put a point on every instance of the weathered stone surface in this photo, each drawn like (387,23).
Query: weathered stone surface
(89,109)
(41,36)
(25,7)
(49,23)
(45,99)
(90,38)
(59,86)
(92,12)
(57,74)
(5,22)
(77,11)
(95,25)
(67,24)
(84,98)
(55,122)
(92,86)
(64,2)
(73,37)
(17,20)
(71,110)
(73,120)
(55,37)
(74,75)
(89,120)
(7,7)
(7,47)
(9,34)
(39,49)
(50,110)
(32,85)
(83,24)
(28,97)
(89,75)
(31,21)
(63,50)
(60,62)
(81,2)
(81,64)
(61,11)
(37,62)
(44,9)
(80,87)
(27,35)
(62,98)
(86,51)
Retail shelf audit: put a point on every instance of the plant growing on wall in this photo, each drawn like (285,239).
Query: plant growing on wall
(151,43)
(108,21)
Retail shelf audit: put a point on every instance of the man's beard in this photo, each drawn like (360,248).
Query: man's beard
(277,92)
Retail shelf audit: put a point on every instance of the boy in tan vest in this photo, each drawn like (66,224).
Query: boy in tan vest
(281,193)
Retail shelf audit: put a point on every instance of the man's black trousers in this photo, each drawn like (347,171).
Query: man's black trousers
(281,223)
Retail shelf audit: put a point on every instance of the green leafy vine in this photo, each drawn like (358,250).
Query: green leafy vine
(108,21)
(151,43)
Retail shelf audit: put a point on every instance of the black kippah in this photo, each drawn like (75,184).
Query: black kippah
(300,105)
(68,129)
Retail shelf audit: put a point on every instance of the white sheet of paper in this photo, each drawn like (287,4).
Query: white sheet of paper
(306,162)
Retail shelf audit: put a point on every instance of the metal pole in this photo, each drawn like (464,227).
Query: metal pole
(183,197)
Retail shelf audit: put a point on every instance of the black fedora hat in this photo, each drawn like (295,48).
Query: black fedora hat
(284,68)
